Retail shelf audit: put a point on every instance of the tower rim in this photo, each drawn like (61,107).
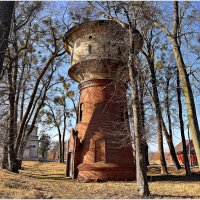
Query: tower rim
(72,34)
(113,62)
(67,38)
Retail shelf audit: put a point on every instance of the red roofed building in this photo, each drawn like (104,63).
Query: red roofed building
(179,152)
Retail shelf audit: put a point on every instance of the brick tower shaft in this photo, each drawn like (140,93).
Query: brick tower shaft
(100,148)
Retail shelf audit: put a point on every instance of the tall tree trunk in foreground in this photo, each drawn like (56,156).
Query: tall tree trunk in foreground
(13,164)
(186,162)
(4,164)
(159,118)
(64,131)
(142,114)
(141,174)
(60,145)
(63,149)
(150,59)
(169,135)
(6,10)
(63,138)
(189,99)
(170,145)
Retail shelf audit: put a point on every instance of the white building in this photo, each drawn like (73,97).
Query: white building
(32,146)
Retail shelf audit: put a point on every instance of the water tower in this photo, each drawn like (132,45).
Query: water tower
(100,149)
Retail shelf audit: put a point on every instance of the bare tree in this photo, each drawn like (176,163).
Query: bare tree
(150,59)
(185,154)
(57,114)
(22,59)
(174,36)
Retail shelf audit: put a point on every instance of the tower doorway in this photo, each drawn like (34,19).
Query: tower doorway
(69,165)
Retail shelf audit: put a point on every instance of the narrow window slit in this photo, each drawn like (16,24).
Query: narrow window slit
(81,112)
(90,49)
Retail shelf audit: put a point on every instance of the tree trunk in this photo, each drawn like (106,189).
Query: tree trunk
(189,99)
(160,121)
(63,150)
(20,164)
(60,146)
(4,164)
(186,162)
(141,92)
(141,174)
(169,136)
(171,146)
(64,131)
(21,153)
(63,141)
(167,104)
(158,112)
(6,10)
(147,154)
(13,165)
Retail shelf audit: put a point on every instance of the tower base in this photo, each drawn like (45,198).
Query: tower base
(102,172)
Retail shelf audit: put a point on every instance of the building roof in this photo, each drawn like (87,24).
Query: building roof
(179,147)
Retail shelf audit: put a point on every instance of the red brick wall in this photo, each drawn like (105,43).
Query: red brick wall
(102,119)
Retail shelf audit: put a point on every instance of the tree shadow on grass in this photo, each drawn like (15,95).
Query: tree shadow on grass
(191,178)
(45,176)
(173,197)
(154,172)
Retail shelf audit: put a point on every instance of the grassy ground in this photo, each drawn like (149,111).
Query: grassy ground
(46,180)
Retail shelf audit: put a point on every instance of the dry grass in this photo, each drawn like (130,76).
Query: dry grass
(46,180)
(52,175)
(22,187)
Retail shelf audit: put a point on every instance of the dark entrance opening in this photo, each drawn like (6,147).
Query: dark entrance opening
(69,165)
(81,112)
